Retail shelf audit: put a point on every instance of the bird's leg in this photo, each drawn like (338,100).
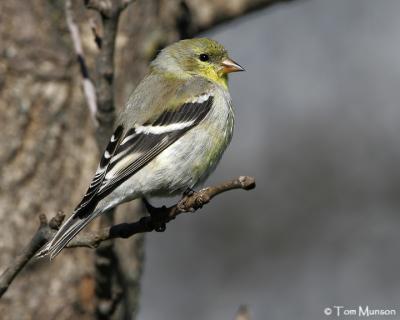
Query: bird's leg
(158,215)
(148,206)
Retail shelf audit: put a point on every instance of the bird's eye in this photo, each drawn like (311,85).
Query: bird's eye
(204,57)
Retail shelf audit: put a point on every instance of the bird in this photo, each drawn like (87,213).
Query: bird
(171,135)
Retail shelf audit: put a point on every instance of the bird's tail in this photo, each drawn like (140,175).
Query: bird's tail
(67,232)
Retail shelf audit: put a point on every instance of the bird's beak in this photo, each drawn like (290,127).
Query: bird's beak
(228,66)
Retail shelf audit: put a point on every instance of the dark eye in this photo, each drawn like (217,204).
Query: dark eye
(204,57)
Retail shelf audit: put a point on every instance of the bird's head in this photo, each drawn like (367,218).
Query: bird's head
(196,57)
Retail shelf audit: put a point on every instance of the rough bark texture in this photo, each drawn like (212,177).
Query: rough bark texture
(48,151)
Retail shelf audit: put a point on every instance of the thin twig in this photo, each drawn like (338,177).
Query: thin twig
(42,235)
(87,84)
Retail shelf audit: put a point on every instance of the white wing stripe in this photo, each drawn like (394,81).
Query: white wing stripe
(201,99)
(127,138)
(163,129)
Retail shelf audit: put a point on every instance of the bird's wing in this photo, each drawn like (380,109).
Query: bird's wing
(129,152)
(101,171)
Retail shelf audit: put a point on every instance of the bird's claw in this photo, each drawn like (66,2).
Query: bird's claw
(189,192)
(193,202)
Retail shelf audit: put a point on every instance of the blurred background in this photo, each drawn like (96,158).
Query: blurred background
(317,124)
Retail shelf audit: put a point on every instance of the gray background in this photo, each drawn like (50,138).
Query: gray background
(318,126)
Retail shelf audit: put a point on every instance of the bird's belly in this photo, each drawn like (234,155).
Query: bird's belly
(184,164)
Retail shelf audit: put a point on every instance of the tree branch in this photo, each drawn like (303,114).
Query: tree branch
(209,14)
(154,222)
(161,216)
(87,84)
(110,12)
(42,235)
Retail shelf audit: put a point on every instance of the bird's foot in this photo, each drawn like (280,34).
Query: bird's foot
(158,214)
(189,192)
(193,201)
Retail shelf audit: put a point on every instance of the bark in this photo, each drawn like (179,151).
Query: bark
(48,150)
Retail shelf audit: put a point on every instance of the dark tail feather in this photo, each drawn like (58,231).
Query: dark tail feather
(66,233)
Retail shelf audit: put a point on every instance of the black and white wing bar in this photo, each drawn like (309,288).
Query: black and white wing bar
(127,154)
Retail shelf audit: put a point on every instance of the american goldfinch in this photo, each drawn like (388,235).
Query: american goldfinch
(175,127)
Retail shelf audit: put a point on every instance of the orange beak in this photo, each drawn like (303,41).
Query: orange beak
(228,66)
